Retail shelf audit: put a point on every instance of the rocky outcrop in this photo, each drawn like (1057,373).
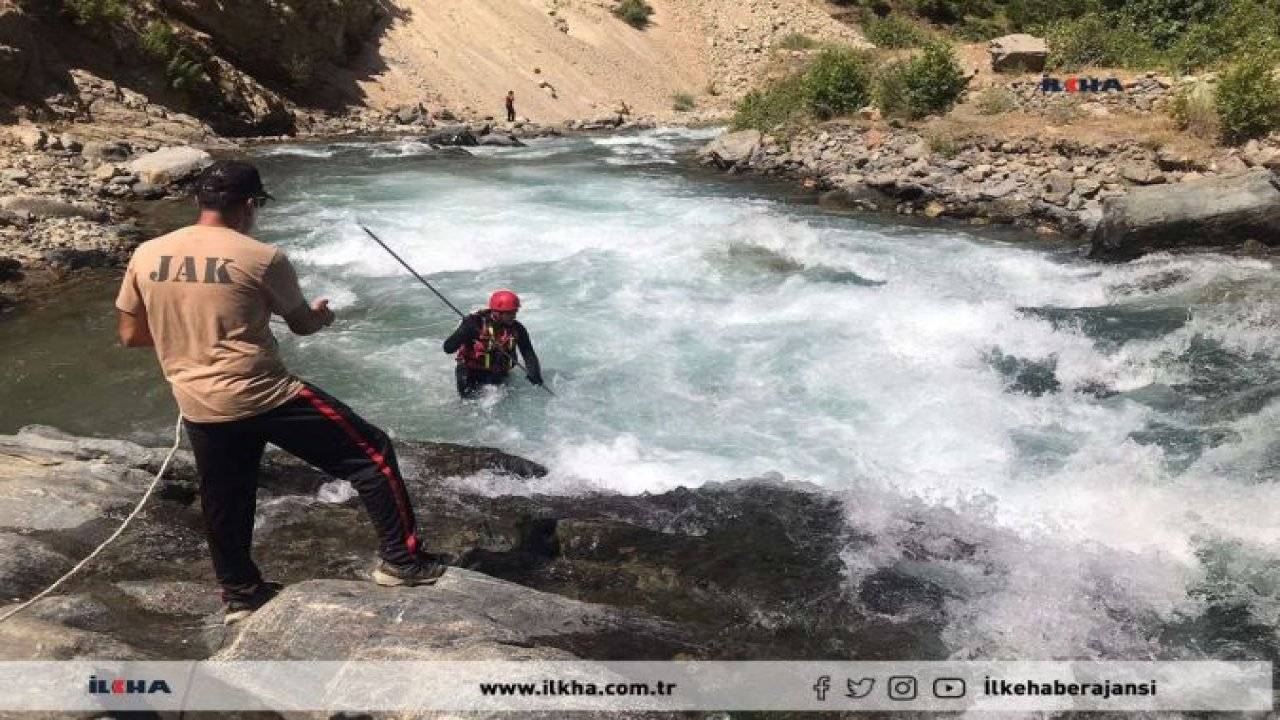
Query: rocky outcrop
(740,570)
(1052,183)
(464,616)
(731,150)
(453,136)
(42,207)
(497,139)
(1018,53)
(169,165)
(1223,211)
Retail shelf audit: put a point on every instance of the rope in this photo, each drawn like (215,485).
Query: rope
(347,331)
(177,440)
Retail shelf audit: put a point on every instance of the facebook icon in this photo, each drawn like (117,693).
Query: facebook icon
(822,687)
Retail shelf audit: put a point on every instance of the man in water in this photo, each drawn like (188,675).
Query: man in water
(486,342)
(511,106)
(203,296)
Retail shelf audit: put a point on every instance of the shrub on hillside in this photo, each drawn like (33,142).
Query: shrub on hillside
(94,12)
(775,108)
(683,102)
(1037,15)
(1248,99)
(927,84)
(1193,110)
(1095,40)
(797,41)
(634,12)
(158,40)
(894,32)
(995,101)
(837,83)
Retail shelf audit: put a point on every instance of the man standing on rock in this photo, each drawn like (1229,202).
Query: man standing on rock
(203,296)
(511,106)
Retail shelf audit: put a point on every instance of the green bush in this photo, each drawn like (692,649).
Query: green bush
(1248,99)
(894,32)
(775,108)
(1096,40)
(158,40)
(929,83)
(185,72)
(797,41)
(838,82)
(683,102)
(1037,15)
(634,13)
(1193,110)
(995,101)
(94,12)
(1245,27)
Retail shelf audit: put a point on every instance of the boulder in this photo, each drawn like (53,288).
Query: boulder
(1222,211)
(40,206)
(464,616)
(731,149)
(602,122)
(99,151)
(453,136)
(1018,53)
(147,191)
(29,137)
(17,176)
(169,165)
(27,566)
(500,140)
(53,481)
(1142,173)
(70,142)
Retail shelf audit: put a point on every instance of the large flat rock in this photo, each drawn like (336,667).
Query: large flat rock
(1217,212)
(465,616)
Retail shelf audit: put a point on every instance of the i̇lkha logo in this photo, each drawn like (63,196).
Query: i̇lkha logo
(123,686)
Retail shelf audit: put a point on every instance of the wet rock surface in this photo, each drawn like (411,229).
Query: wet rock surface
(748,569)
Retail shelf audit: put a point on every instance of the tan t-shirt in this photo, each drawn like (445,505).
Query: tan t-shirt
(209,293)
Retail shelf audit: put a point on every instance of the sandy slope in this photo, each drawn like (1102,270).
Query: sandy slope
(468,53)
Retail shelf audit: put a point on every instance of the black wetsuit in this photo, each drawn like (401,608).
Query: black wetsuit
(471,378)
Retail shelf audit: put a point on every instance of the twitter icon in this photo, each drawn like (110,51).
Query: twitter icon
(860,688)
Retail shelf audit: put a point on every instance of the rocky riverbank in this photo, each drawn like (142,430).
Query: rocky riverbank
(1027,169)
(70,192)
(741,570)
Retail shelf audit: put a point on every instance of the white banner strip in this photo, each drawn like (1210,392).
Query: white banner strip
(660,686)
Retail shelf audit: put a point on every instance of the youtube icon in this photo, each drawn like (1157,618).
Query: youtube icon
(948,688)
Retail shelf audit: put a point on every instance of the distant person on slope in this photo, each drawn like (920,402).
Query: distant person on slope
(511,106)
(202,296)
(486,342)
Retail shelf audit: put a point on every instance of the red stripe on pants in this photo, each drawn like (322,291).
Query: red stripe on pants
(397,488)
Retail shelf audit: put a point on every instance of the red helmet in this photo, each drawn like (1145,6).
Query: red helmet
(504,301)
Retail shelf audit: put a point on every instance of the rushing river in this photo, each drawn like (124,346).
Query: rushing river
(1091,449)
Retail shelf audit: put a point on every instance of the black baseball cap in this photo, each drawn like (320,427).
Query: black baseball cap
(231,179)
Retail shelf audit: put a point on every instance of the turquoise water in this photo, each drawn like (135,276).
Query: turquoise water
(1103,435)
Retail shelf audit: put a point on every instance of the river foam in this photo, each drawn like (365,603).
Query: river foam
(1075,454)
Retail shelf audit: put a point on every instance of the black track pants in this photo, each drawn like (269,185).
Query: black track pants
(318,429)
